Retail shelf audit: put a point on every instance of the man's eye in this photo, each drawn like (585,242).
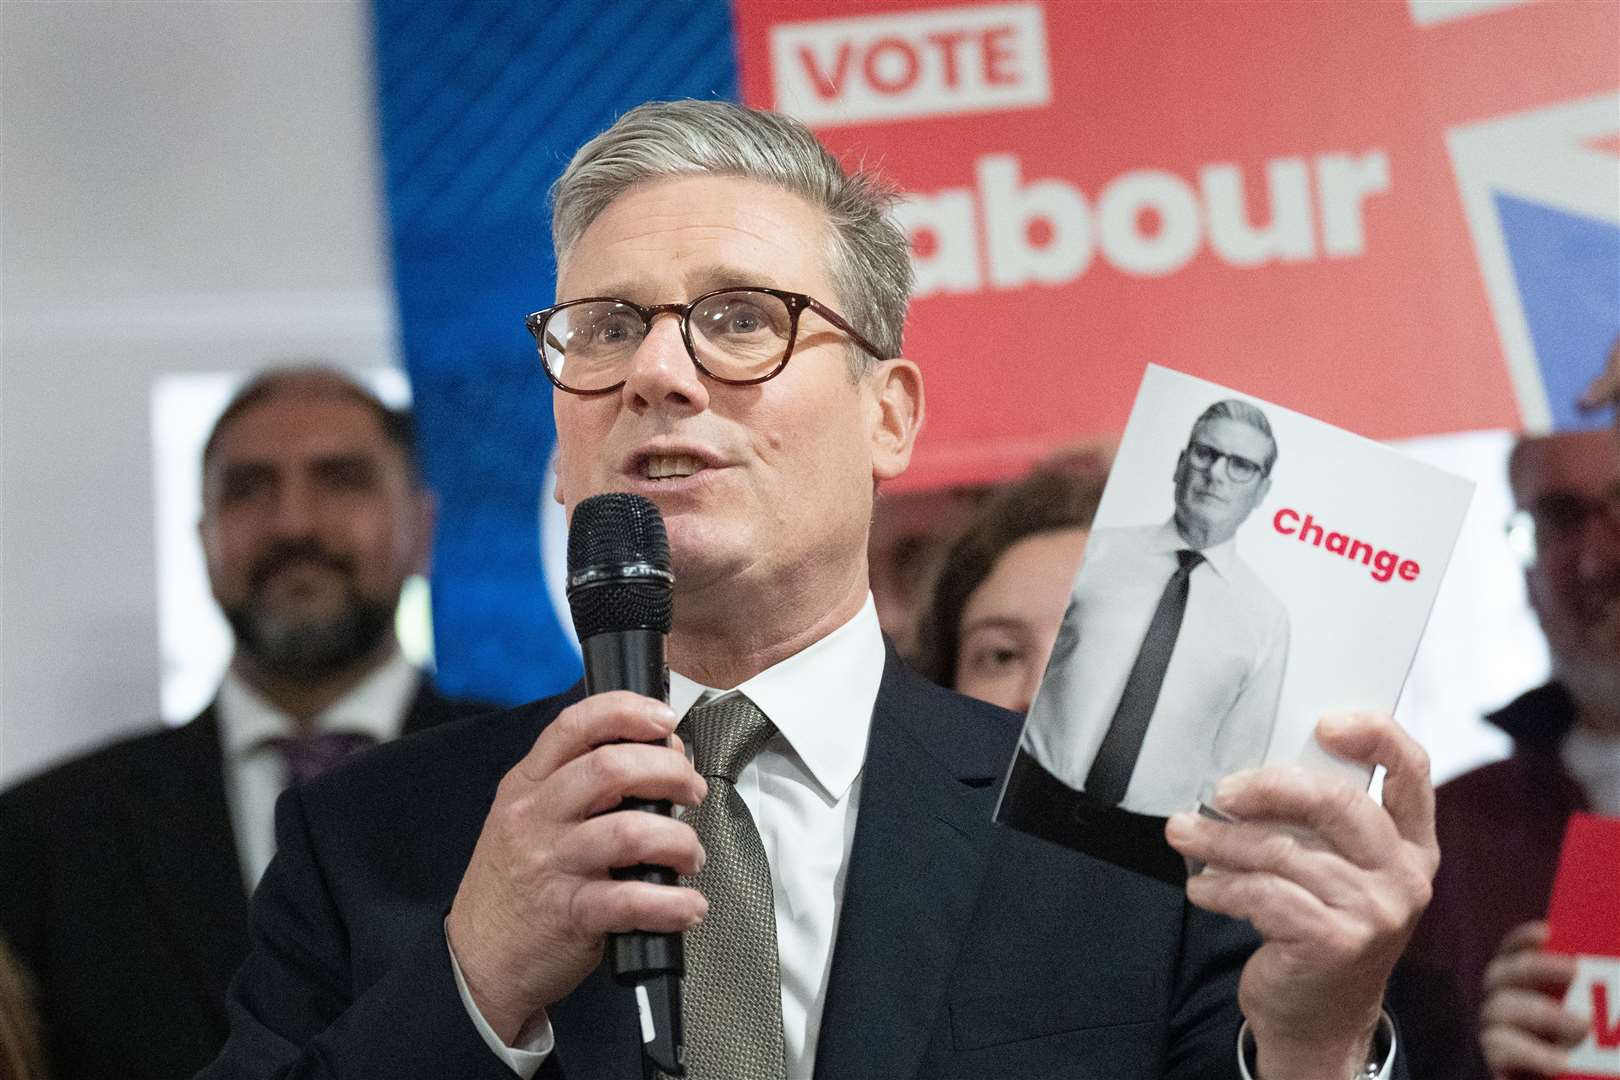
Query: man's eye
(243,488)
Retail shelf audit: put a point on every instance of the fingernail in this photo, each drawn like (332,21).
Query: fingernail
(1228,787)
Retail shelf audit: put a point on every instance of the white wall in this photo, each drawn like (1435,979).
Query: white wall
(184,187)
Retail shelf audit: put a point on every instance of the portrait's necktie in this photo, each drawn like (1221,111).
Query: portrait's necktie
(1111,771)
(733,987)
(308,756)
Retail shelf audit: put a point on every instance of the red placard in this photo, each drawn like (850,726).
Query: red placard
(1584,917)
(1281,197)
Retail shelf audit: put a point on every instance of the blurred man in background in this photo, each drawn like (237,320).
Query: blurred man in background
(1478,995)
(127,871)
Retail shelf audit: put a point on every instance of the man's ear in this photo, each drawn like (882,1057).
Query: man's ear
(897,399)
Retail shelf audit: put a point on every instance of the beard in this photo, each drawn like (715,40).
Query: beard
(305,647)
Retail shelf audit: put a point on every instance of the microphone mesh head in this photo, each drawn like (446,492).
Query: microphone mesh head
(607,534)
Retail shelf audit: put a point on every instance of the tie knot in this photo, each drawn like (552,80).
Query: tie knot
(1189,559)
(310,755)
(725,735)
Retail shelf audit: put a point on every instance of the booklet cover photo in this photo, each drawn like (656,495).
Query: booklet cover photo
(1249,570)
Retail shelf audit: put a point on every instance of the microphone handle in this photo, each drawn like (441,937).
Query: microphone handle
(634,660)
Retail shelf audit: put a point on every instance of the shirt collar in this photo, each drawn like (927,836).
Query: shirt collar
(820,699)
(374,706)
(1220,557)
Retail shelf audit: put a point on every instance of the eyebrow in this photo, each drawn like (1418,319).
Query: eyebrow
(994,622)
(700,280)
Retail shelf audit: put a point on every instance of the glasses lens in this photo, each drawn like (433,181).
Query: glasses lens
(1203,456)
(1241,470)
(741,334)
(588,345)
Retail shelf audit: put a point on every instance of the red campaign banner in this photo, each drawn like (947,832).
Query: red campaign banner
(1584,920)
(1280,197)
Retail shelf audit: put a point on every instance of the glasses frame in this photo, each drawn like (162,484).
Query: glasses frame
(797,304)
(1225,460)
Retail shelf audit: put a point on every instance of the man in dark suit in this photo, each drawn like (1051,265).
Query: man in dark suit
(127,871)
(439,909)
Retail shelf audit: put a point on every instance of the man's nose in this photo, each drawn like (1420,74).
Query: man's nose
(294,512)
(662,373)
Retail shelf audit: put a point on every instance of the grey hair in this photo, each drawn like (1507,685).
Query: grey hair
(868,256)
(1243,413)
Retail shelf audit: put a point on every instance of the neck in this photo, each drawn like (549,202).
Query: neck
(304,699)
(1192,534)
(723,640)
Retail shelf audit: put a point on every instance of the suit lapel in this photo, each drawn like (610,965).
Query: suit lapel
(921,837)
(188,857)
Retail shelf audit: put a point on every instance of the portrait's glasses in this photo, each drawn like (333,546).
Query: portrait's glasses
(1239,470)
(1558,519)
(735,336)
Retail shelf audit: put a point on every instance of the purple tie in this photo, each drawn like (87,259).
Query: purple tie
(310,755)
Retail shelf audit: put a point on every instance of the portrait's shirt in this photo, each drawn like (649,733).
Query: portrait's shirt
(1218,704)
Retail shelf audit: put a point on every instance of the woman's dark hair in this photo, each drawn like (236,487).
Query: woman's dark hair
(1061,492)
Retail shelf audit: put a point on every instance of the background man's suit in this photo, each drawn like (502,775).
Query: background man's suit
(124,897)
(963,949)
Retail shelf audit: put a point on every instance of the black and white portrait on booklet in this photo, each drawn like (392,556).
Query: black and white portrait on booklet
(1250,569)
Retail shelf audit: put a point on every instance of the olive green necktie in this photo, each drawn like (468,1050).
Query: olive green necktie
(733,988)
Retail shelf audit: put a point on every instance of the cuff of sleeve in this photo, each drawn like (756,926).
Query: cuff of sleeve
(1381,1067)
(535,1043)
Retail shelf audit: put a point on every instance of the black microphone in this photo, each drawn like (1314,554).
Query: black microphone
(621,595)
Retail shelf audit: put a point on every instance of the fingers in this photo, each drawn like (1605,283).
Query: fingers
(611,907)
(600,780)
(1343,815)
(1247,847)
(1527,935)
(1521,965)
(1279,909)
(616,716)
(1510,1053)
(632,838)
(1533,1013)
(1376,739)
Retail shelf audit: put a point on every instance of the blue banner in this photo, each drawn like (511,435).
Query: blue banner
(481,106)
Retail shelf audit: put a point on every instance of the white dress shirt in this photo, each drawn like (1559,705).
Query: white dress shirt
(802,790)
(1593,761)
(256,773)
(1218,703)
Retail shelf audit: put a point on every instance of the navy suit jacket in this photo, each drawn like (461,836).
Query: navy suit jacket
(963,949)
(121,892)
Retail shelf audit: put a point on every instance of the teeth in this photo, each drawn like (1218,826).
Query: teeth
(663,466)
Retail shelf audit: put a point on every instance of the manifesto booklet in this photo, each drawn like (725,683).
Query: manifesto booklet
(1249,570)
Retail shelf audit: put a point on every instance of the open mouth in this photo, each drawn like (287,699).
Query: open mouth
(670,466)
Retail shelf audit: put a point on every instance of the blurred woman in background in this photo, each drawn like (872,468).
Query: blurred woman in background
(1000,593)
